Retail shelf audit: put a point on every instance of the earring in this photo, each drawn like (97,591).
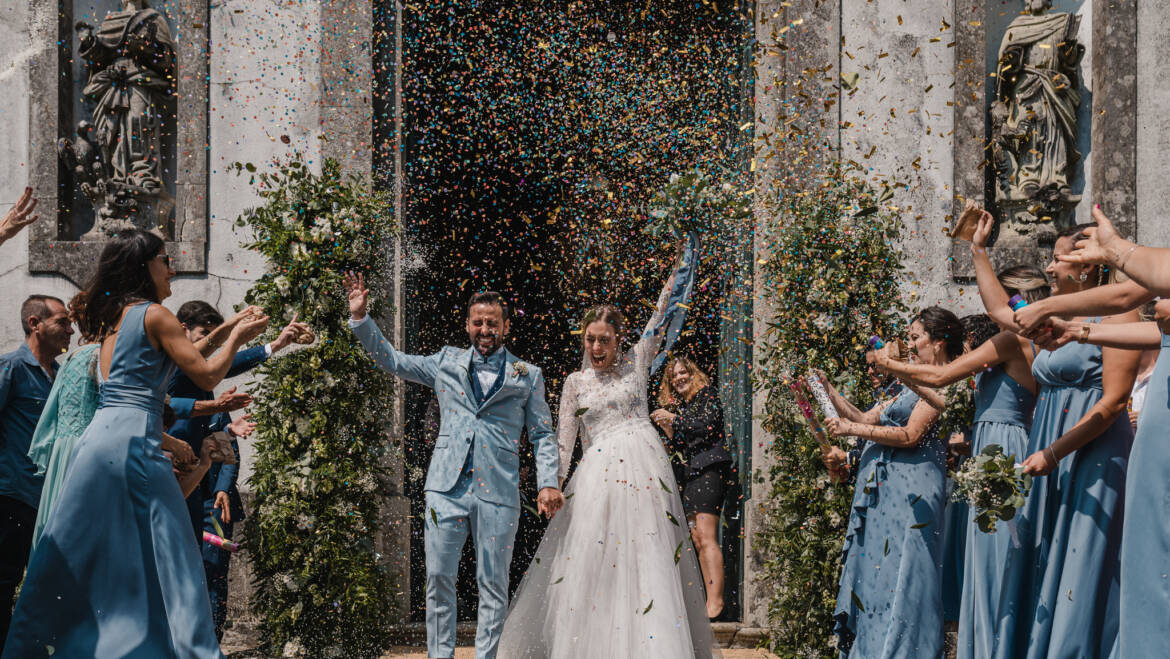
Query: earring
(1084,276)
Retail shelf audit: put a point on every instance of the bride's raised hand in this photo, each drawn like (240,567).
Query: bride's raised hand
(359,295)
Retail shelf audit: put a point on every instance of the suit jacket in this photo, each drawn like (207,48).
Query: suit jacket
(491,432)
(698,430)
(219,478)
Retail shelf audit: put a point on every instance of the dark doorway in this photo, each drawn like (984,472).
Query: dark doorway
(533,134)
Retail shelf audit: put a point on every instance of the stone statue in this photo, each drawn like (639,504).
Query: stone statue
(117,157)
(1034,122)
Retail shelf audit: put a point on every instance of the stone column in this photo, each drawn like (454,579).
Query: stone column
(797,69)
(1153,128)
(1113,176)
(347,132)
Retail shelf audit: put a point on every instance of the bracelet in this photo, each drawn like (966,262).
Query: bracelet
(1083,337)
(1125,257)
(1051,455)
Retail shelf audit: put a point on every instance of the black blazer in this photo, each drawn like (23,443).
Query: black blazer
(698,431)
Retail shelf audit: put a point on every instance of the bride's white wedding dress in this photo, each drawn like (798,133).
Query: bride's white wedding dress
(615,575)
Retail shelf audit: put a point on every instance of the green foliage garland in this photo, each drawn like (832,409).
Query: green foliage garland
(321,438)
(831,277)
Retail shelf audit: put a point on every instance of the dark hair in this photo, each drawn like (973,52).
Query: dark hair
(942,325)
(977,329)
(1027,281)
(1077,233)
(36,305)
(198,313)
(488,297)
(607,313)
(122,277)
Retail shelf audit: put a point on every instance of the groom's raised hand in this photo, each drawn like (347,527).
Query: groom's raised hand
(548,501)
(359,295)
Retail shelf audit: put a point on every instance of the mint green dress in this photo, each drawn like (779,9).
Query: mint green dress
(68,411)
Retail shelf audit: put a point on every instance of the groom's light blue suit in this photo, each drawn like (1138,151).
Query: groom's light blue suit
(473,482)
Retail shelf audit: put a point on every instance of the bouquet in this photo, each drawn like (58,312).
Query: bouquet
(993,484)
(959,411)
(694,203)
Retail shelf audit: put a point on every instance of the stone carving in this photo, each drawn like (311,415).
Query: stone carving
(1034,125)
(117,156)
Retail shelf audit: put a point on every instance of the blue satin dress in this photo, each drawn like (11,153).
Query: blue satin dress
(1059,596)
(115,573)
(1003,412)
(1145,543)
(889,603)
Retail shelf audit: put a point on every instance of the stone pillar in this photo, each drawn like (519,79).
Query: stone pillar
(796,81)
(1114,132)
(1153,127)
(971,160)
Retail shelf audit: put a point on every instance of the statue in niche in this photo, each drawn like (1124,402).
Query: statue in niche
(1034,123)
(117,156)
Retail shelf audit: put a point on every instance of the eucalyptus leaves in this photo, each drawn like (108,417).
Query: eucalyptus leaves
(959,413)
(695,202)
(321,588)
(993,484)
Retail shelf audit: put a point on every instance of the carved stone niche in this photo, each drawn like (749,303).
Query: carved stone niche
(124,148)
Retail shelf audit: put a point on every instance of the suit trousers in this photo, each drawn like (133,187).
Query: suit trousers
(450,517)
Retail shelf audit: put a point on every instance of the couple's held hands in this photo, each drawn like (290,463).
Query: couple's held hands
(358,294)
(549,501)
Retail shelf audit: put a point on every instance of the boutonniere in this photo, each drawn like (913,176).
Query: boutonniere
(521,370)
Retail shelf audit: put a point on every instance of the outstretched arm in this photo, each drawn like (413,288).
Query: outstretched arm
(1106,300)
(921,418)
(414,368)
(1127,336)
(990,353)
(1148,266)
(995,298)
(846,409)
(165,330)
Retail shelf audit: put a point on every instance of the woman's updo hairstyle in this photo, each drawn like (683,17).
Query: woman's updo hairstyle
(942,325)
(607,313)
(1027,281)
(1101,274)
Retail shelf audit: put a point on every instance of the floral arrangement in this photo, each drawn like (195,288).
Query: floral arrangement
(959,411)
(994,484)
(321,588)
(831,278)
(694,203)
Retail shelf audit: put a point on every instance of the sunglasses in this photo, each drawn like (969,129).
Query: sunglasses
(165,258)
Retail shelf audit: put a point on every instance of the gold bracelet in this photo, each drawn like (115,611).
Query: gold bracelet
(1083,337)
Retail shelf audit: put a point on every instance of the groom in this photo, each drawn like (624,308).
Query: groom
(486,398)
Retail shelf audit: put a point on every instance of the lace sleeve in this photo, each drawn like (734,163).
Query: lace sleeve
(646,347)
(567,423)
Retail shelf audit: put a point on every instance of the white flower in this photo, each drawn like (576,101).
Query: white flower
(282,284)
(302,425)
(521,370)
(673,179)
(288,220)
(299,251)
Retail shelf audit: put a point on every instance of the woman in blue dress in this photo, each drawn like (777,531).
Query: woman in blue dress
(889,602)
(115,573)
(1005,394)
(1059,596)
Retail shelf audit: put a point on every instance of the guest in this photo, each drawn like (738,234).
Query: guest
(26,375)
(890,594)
(217,500)
(115,572)
(70,407)
(697,429)
(1059,593)
(19,216)
(1145,544)
(1005,393)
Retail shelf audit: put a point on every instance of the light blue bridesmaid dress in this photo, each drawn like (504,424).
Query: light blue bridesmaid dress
(1003,412)
(1059,596)
(1145,542)
(956,518)
(115,573)
(889,604)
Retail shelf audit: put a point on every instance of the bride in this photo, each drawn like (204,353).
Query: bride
(615,574)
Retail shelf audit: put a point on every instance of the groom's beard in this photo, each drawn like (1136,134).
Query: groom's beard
(488,346)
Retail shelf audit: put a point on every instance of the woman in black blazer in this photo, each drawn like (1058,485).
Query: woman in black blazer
(692,419)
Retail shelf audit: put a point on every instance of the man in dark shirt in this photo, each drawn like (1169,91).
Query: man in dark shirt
(26,376)
(216,498)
